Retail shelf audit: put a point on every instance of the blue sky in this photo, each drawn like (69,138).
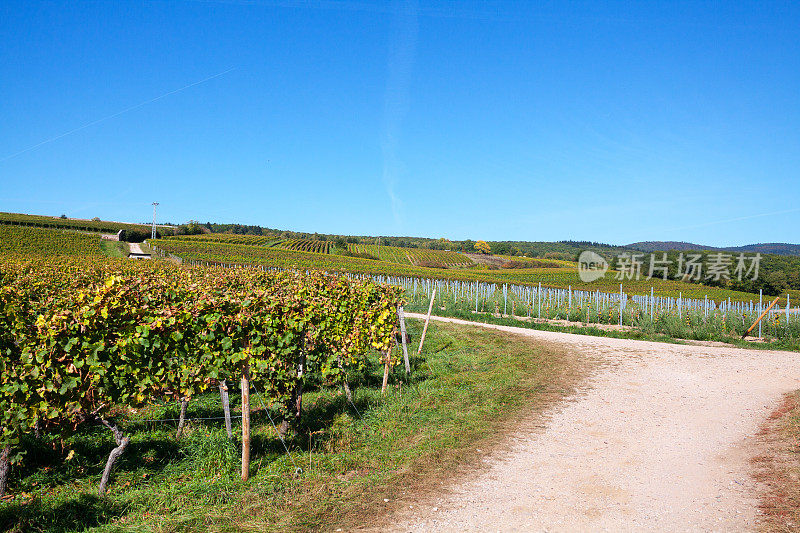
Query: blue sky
(612,122)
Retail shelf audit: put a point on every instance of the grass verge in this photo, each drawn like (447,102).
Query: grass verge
(468,389)
(114,248)
(777,467)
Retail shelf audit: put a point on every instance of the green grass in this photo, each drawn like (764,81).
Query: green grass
(468,389)
(114,248)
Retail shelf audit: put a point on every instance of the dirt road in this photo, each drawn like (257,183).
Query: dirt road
(658,440)
(135,248)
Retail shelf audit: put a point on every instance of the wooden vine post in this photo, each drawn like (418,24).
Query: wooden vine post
(387,360)
(182,417)
(5,466)
(215,325)
(402,318)
(226,407)
(746,333)
(245,424)
(427,320)
(297,404)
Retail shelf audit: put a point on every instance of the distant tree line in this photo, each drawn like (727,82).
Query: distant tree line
(776,273)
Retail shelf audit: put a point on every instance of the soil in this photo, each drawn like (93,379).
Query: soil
(659,439)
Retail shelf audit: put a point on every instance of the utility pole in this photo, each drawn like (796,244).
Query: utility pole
(153,233)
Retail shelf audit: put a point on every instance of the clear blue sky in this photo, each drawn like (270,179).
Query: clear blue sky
(613,122)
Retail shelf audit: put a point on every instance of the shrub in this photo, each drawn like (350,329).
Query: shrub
(128,235)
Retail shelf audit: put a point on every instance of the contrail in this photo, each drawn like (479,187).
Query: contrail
(772,213)
(401,63)
(109,117)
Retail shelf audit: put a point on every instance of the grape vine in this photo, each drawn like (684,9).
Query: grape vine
(82,336)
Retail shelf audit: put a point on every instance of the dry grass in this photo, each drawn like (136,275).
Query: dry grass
(777,467)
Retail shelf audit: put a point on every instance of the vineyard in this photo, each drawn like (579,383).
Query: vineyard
(306,245)
(232,238)
(676,317)
(15,219)
(83,339)
(208,253)
(411,256)
(108,364)
(47,242)
(504,261)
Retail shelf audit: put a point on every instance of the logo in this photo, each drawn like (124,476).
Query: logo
(591,266)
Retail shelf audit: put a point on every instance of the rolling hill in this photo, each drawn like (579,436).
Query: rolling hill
(778,248)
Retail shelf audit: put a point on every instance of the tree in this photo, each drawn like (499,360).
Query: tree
(482,247)
(192,227)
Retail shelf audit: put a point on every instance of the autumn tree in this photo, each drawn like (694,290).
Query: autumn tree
(482,247)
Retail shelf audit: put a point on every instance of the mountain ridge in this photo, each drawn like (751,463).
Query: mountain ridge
(778,248)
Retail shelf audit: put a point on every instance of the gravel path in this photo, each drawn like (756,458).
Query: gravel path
(658,440)
(135,248)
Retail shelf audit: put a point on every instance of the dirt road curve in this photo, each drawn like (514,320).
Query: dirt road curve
(658,440)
